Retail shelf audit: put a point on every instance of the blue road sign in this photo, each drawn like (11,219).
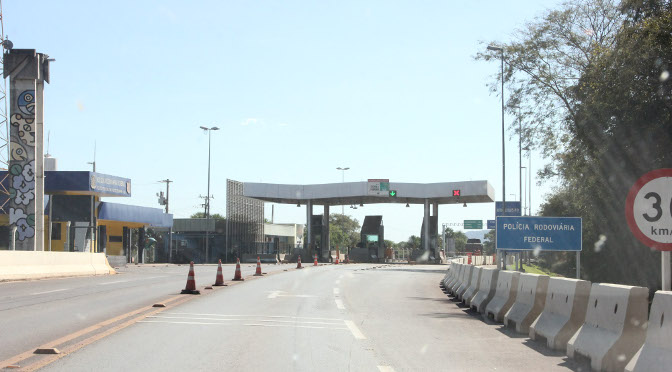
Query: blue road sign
(491,224)
(512,209)
(545,233)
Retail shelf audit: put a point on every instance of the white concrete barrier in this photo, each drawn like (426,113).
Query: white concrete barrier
(471,291)
(656,353)
(460,279)
(486,289)
(468,277)
(614,328)
(21,265)
(529,303)
(454,271)
(505,295)
(564,312)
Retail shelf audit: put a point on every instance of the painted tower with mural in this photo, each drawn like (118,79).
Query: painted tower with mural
(27,71)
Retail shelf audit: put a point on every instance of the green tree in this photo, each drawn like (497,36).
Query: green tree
(459,237)
(215,216)
(592,79)
(489,242)
(344,231)
(413,242)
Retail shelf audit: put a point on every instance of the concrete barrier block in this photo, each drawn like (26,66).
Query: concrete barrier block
(21,265)
(486,290)
(505,295)
(465,284)
(529,302)
(564,312)
(614,328)
(471,291)
(454,271)
(656,353)
(460,279)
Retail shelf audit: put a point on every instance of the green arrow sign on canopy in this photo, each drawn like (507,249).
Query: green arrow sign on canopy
(473,224)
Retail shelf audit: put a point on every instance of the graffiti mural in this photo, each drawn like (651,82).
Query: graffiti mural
(22,162)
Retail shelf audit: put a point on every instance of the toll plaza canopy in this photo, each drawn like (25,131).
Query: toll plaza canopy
(373,191)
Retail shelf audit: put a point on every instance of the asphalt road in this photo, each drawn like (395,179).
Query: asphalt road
(330,318)
(35,312)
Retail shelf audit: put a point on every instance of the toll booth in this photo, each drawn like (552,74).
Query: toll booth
(372,238)
(318,238)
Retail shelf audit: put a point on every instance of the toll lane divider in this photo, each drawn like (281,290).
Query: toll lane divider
(564,312)
(505,295)
(530,301)
(486,290)
(614,328)
(656,353)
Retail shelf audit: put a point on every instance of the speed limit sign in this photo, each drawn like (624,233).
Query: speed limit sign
(648,209)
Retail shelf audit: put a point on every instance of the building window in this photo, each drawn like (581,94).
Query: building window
(115,239)
(56,231)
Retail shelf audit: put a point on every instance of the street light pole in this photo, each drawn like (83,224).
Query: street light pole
(343,181)
(207,197)
(501,54)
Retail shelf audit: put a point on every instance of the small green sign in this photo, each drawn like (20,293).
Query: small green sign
(473,224)
(393,193)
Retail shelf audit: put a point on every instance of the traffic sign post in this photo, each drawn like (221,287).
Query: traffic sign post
(491,224)
(648,210)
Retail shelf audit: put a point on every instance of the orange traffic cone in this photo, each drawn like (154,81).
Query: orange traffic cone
(315,263)
(191,283)
(258,272)
(219,280)
(336,262)
(298,263)
(237,276)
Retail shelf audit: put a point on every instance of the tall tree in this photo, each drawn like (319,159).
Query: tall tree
(343,231)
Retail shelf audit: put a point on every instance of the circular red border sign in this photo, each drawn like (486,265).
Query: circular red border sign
(630,203)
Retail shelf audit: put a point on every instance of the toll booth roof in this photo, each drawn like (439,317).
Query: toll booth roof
(360,193)
(131,213)
(85,183)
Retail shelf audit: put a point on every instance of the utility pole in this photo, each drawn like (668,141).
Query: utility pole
(170,229)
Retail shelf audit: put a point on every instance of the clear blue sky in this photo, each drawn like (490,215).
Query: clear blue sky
(387,88)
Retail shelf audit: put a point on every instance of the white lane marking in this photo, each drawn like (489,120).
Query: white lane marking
(340,277)
(251,315)
(339,304)
(274,294)
(287,325)
(52,291)
(251,324)
(355,331)
(385,369)
(336,291)
(115,282)
(247,320)
(338,282)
